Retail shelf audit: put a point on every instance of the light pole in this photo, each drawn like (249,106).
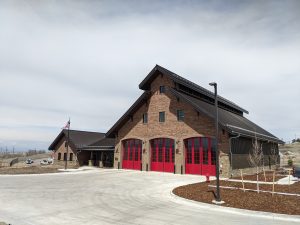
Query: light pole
(218,197)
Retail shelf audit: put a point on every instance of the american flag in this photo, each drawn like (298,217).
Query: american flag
(67,126)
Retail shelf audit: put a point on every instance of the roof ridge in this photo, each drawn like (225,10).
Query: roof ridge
(193,85)
(84,131)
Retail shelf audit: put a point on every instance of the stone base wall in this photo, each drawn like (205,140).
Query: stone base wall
(224,165)
(62,163)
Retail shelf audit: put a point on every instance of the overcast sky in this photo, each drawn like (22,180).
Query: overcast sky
(85,59)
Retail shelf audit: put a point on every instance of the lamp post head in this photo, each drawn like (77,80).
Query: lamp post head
(213,84)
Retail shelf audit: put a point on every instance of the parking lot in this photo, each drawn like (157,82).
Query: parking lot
(104,196)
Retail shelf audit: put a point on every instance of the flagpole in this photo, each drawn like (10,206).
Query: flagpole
(68,138)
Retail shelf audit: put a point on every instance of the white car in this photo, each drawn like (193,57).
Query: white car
(50,160)
(44,162)
(29,161)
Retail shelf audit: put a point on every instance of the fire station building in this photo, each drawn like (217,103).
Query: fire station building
(170,128)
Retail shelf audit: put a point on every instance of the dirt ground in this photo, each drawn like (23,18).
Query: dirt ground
(33,169)
(290,151)
(246,200)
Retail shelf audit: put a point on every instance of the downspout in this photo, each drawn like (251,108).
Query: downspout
(230,150)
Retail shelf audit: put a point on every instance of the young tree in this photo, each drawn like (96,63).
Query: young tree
(256,158)
(274,156)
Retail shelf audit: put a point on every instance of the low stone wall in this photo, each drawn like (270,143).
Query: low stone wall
(62,163)
(4,164)
(9,163)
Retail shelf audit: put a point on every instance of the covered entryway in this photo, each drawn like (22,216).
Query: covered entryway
(132,154)
(162,155)
(200,156)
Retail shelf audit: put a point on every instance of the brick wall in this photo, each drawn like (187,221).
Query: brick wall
(61,148)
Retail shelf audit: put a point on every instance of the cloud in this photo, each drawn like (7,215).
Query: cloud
(85,59)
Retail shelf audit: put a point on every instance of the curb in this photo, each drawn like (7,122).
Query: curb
(237,211)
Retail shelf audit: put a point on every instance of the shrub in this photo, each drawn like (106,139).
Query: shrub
(290,162)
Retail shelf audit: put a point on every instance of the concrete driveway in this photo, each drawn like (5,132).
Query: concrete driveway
(110,197)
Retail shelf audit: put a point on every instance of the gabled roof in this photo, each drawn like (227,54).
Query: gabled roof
(78,138)
(233,123)
(145,85)
(141,100)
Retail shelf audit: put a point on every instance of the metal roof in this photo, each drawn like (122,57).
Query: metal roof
(79,139)
(127,114)
(145,85)
(235,124)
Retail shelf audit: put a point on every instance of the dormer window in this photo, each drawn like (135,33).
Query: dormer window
(162,89)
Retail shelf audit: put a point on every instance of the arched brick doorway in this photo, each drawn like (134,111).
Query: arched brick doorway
(200,156)
(132,154)
(162,154)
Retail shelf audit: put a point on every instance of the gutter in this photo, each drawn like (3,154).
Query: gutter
(253,132)
(230,150)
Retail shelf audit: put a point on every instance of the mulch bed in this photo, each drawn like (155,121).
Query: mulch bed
(261,177)
(32,169)
(246,200)
(293,188)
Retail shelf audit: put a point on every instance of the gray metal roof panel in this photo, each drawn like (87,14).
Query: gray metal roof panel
(176,78)
(78,138)
(233,122)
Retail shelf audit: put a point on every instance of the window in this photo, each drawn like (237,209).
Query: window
(161,117)
(71,156)
(154,155)
(162,89)
(145,118)
(205,150)
(59,156)
(131,150)
(189,153)
(180,115)
(196,151)
(213,151)
(160,150)
(65,156)
(125,156)
(167,150)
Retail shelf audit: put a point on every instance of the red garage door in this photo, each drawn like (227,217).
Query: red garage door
(132,154)
(200,156)
(162,155)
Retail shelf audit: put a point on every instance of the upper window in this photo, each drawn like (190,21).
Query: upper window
(145,118)
(162,89)
(162,117)
(65,156)
(180,115)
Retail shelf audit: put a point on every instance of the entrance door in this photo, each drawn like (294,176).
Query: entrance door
(162,155)
(200,157)
(132,154)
